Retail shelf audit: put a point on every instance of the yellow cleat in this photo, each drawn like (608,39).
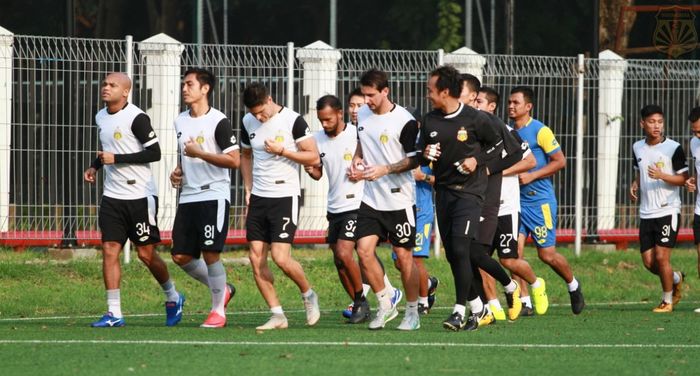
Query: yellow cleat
(539,298)
(663,308)
(498,313)
(486,319)
(678,290)
(514,303)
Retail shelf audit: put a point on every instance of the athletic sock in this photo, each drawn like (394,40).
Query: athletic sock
(384,298)
(423,300)
(495,304)
(171,295)
(365,289)
(573,285)
(676,278)
(412,307)
(476,305)
(359,297)
(510,287)
(217,286)
(536,284)
(459,309)
(197,269)
(307,294)
(114,304)
(667,297)
(277,310)
(526,301)
(387,283)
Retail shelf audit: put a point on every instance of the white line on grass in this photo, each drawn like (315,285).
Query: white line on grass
(238,313)
(356,344)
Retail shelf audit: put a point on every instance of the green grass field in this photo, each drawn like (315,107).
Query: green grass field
(46,308)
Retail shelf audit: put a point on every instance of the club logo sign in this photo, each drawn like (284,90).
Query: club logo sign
(675,33)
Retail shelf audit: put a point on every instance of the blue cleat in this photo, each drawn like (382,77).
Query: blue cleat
(173,311)
(347,312)
(396,298)
(108,321)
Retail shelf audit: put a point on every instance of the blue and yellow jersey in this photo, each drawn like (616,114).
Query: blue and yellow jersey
(424,194)
(543,144)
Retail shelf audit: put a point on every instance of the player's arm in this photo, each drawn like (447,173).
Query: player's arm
(527,162)
(229,157)
(680,168)
(513,149)
(407,138)
(315,171)
(557,159)
(246,166)
(491,144)
(355,172)
(634,187)
(143,131)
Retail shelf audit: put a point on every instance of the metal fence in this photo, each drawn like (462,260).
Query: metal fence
(55,95)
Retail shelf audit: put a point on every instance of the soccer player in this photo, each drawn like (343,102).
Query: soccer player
(661,168)
(207,151)
(449,136)
(337,142)
(129,205)
(355,101)
(538,204)
(505,241)
(384,157)
(692,185)
(275,141)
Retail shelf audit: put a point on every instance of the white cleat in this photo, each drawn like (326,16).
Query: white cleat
(411,321)
(313,313)
(275,322)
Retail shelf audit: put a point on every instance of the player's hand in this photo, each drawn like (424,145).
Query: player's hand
(466,166)
(106,157)
(432,152)
(373,173)
(192,149)
(418,174)
(634,191)
(691,185)
(89,175)
(525,178)
(654,172)
(176,177)
(357,169)
(273,147)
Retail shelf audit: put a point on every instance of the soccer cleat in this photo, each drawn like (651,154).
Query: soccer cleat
(487,318)
(539,298)
(423,309)
(383,316)
(214,320)
(455,322)
(514,303)
(527,311)
(678,289)
(108,321)
(396,298)
(230,292)
(577,302)
(347,312)
(498,313)
(474,320)
(697,310)
(663,308)
(313,313)
(276,321)
(411,321)
(359,314)
(434,282)
(173,311)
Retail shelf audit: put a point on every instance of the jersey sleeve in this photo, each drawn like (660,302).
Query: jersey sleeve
(409,137)
(635,165)
(245,138)
(680,163)
(224,136)
(547,141)
(300,130)
(491,141)
(523,145)
(143,131)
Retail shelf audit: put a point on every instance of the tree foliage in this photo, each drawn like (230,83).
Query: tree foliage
(449,24)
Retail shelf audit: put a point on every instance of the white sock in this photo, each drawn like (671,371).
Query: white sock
(526,301)
(114,303)
(459,309)
(277,310)
(573,285)
(307,294)
(536,284)
(495,305)
(384,298)
(197,269)
(676,278)
(510,287)
(171,295)
(217,286)
(476,305)
(387,283)
(423,300)
(412,307)
(365,289)
(668,297)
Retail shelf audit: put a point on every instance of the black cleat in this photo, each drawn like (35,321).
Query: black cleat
(434,282)
(360,313)
(455,322)
(423,309)
(474,319)
(527,311)
(577,302)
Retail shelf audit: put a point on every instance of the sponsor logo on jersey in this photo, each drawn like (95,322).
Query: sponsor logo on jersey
(200,138)
(307,131)
(541,241)
(664,240)
(350,234)
(505,250)
(283,235)
(404,240)
(179,134)
(323,155)
(462,134)
(433,133)
(360,129)
(384,137)
(209,242)
(233,139)
(118,134)
(152,134)
(143,238)
(524,146)
(555,143)
(252,136)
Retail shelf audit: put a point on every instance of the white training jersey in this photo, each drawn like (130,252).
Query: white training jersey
(336,156)
(126,132)
(658,198)
(202,181)
(274,175)
(695,153)
(510,185)
(386,139)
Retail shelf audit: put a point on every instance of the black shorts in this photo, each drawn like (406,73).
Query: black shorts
(136,220)
(506,240)
(696,228)
(458,214)
(272,219)
(341,226)
(398,226)
(200,226)
(660,231)
(487,225)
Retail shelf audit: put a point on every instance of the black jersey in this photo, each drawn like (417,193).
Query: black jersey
(464,133)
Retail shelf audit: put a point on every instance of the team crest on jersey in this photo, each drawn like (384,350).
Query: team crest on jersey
(347,156)
(462,134)
(118,134)
(660,164)
(384,138)
(200,138)
(279,137)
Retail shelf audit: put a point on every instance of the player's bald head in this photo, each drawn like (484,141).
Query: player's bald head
(121,78)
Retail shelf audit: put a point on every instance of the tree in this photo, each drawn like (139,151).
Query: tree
(609,18)
(449,24)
